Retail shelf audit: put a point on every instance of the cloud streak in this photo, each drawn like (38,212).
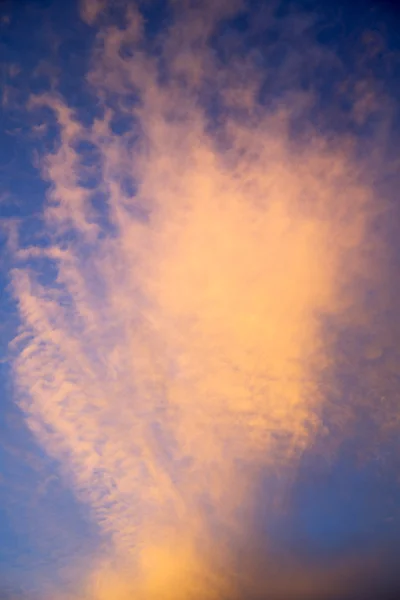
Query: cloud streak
(179,351)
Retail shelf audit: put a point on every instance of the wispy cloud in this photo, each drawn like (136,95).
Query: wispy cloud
(179,350)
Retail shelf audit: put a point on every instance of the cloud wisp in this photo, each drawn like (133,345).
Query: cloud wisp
(173,332)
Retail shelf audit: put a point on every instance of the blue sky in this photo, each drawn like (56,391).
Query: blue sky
(198,299)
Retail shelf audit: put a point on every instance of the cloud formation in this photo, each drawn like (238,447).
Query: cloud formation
(174,344)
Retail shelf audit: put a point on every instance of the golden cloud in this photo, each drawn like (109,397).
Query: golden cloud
(180,350)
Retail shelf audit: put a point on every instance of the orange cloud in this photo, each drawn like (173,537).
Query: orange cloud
(179,356)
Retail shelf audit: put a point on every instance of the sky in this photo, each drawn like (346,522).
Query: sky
(199,283)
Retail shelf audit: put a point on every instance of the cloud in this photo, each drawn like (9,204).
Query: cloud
(91,9)
(179,350)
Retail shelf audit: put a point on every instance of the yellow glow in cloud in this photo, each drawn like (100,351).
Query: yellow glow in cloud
(181,357)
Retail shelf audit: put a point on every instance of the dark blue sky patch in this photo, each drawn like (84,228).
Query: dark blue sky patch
(43,135)
(129,187)
(20,180)
(42,81)
(73,61)
(90,163)
(101,212)
(9,321)
(31,499)
(157,17)
(89,153)
(227,38)
(89,178)
(333,512)
(325,53)
(129,100)
(46,270)
(122,123)
(32,232)
(345,508)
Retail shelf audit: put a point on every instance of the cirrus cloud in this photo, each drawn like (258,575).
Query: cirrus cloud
(200,246)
